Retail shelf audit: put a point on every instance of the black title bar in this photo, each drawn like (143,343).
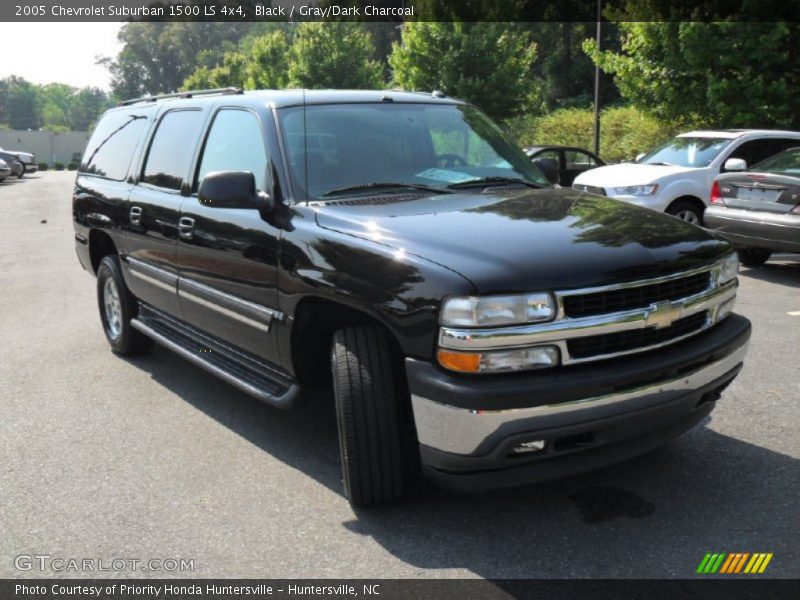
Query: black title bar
(397,10)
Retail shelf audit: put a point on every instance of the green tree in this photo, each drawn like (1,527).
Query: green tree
(87,105)
(230,73)
(722,74)
(158,57)
(268,63)
(18,103)
(55,102)
(488,64)
(333,55)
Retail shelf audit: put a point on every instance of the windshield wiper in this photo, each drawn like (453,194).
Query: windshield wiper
(486,181)
(384,185)
(661,164)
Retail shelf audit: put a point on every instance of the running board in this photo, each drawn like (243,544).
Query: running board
(216,358)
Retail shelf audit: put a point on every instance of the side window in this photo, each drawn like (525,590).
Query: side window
(551,154)
(234,143)
(113,143)
(578,160)
(781,144)
(172,148)
(753,151)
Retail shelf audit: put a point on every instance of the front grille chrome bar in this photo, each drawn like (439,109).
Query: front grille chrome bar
(559,331)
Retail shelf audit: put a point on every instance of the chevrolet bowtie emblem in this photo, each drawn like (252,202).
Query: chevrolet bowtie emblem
(663,314)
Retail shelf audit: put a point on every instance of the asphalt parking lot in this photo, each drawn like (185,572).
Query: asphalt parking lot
(102,457)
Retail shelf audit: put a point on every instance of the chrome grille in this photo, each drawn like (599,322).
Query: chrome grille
(623,341)
(589,189)
(609,321)
(628,298)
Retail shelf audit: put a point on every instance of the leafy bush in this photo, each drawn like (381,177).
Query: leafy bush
(625,131)
(43,166)
(58,166)
(72,166)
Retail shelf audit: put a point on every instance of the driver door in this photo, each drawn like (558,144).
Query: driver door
(227,257)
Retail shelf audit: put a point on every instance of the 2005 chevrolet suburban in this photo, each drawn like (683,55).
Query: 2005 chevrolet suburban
(474,320)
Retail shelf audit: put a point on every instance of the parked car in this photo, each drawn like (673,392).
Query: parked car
(759,209)
(17,168)
(570,160)
(5,170)
(27,160)
(472,320)
(676,177)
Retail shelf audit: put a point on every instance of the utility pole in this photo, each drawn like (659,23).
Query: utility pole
(597,86)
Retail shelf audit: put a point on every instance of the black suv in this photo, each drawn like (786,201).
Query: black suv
(473,320)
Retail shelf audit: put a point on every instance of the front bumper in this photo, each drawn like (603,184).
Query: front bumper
(30,167)
(756,229)
(587,416)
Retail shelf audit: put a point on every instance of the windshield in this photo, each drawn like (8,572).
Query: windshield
(693,152)
(343,146)
(785,163)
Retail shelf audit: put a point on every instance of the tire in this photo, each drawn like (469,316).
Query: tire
(21,173)
(117,307)
(377,441)
(753,257)
(686,211)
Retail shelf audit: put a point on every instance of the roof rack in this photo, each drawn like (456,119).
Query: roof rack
(190,94)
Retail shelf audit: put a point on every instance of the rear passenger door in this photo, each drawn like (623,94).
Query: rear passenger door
(227,257)
(154,209)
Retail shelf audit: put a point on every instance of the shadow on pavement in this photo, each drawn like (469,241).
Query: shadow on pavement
(654,516)
(784,271)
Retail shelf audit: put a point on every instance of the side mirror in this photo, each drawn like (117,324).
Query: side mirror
(548,167)
(735,164)
(639,157)
(232,189)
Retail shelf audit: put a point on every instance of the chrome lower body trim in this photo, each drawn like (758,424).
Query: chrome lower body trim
(252,314)
(153,275)
(218,308)
(461,431)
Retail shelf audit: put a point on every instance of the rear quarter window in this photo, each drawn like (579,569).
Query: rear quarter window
(113,143)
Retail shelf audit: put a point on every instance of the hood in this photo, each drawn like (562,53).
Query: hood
(628,174)
(529,240)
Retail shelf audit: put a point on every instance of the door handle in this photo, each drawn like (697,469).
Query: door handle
(186,228)
(136,215)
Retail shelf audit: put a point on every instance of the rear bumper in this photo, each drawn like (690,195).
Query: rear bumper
(754,229)
(584,417)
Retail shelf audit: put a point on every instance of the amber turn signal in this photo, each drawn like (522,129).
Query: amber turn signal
(463,362)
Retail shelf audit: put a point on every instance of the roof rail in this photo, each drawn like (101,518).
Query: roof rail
(189,94)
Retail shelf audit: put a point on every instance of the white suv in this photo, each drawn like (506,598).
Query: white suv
(676,177)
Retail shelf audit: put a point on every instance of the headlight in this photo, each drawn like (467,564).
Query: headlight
(634,190)
(476,311)
(499,361)
(728,268)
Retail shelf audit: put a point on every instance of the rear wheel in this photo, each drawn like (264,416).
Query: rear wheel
(117,308)
(754,257)
(686,211)
(377,442)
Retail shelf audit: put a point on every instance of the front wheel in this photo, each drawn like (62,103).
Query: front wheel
(686,211)
(117,308)
(377,442)
(753,257)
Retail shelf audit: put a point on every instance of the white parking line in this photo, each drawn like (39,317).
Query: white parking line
(794,313)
